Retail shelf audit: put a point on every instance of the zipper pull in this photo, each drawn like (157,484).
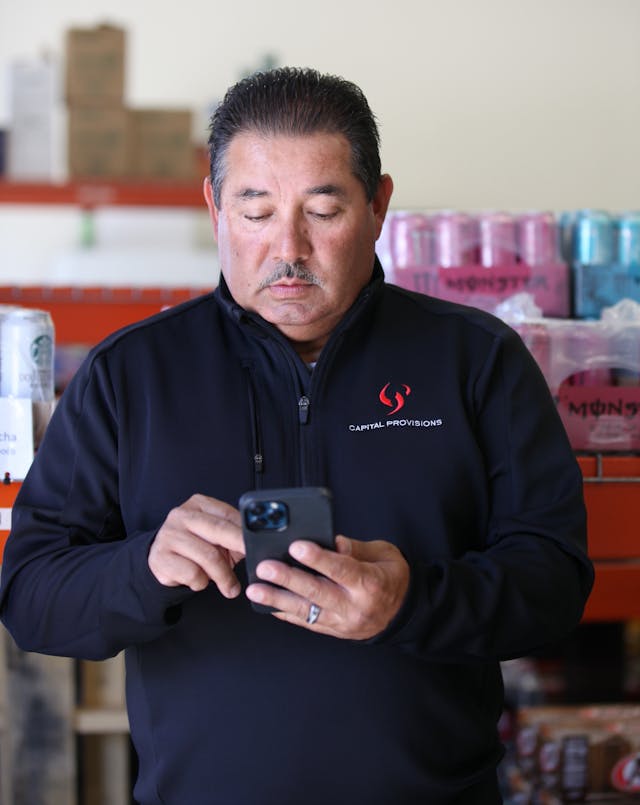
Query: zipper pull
(303,409)
(258,462)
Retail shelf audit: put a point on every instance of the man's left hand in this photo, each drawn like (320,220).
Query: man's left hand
(360,588)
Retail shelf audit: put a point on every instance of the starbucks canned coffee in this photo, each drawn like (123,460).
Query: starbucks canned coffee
(26,361)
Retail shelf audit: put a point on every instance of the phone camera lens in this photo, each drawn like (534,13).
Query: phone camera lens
(271,515)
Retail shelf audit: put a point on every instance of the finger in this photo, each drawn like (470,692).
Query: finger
(210,520)
(212,560)
(341,568)
(200,541)
(173,570)
(191,567)
(269,596)
(292,608)
(303,584)
(322,625)
(217,508)
(343,545)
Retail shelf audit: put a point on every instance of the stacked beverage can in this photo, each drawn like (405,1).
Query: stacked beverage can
(411,240)
(497,239)
(537,338)
(26,362)
(628,252)
(594,238)
(455,239)
(537,234)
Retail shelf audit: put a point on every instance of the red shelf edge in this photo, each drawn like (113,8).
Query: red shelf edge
(91,193)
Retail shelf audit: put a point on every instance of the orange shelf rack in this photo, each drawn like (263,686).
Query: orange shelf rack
(8,493)
(86,315)
(612,496)
(89,194)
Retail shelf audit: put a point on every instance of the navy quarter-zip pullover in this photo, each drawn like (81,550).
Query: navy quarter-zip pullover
(435,430)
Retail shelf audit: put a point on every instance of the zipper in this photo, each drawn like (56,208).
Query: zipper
(256,432)
(303,398)
(304,403)
(297,370)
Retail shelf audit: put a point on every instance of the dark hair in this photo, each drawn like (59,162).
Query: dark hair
(296,101)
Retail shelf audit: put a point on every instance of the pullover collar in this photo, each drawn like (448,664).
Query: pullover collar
(362,303)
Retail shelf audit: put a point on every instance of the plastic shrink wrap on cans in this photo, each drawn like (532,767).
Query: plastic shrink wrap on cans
(592,369)
(26,383)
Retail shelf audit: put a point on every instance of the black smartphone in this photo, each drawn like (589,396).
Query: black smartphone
(274,518)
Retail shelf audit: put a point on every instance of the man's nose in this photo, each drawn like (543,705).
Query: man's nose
(292,244)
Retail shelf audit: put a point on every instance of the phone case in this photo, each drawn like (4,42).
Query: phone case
(309,516)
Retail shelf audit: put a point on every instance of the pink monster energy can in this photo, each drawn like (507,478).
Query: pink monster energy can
(497,232)
(455,239)
(538,242)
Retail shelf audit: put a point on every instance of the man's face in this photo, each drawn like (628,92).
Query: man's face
(295,232)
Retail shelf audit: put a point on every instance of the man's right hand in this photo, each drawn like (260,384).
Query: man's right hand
(199,542)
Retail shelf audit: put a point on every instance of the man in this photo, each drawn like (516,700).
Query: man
(377,679)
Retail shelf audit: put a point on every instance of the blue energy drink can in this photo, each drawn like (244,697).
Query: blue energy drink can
(629,239)
(594,238)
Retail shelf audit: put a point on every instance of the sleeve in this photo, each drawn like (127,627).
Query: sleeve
(73,582)
(527,586)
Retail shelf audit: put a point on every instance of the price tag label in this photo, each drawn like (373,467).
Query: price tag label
(5,519)
(16,436)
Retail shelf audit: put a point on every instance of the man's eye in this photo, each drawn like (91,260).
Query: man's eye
(324,216)
(256,217)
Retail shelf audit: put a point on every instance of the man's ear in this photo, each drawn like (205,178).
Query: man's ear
(380,202)
(207,189)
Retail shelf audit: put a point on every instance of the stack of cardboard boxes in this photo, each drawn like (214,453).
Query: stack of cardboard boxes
(107,139)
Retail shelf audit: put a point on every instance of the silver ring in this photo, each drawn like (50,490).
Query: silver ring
(314,613)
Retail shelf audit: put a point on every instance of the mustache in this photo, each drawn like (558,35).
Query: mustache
(290,271)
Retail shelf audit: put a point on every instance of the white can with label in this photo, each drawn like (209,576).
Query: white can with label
(26,361)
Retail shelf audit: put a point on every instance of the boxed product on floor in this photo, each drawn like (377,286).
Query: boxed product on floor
(604,252)
(593,371)
(162,145)
(99,143)
(575,754)
(480,259)
(35,111)
(95,65)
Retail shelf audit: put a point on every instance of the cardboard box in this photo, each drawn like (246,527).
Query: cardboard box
(162,146)
(95,65)
(99,143)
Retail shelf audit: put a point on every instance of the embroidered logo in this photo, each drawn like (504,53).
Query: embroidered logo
(395,401)
(398,399)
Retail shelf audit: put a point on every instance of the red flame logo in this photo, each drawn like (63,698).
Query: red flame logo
(398,399)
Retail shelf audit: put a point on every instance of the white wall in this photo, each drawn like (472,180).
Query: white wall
(482,103)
